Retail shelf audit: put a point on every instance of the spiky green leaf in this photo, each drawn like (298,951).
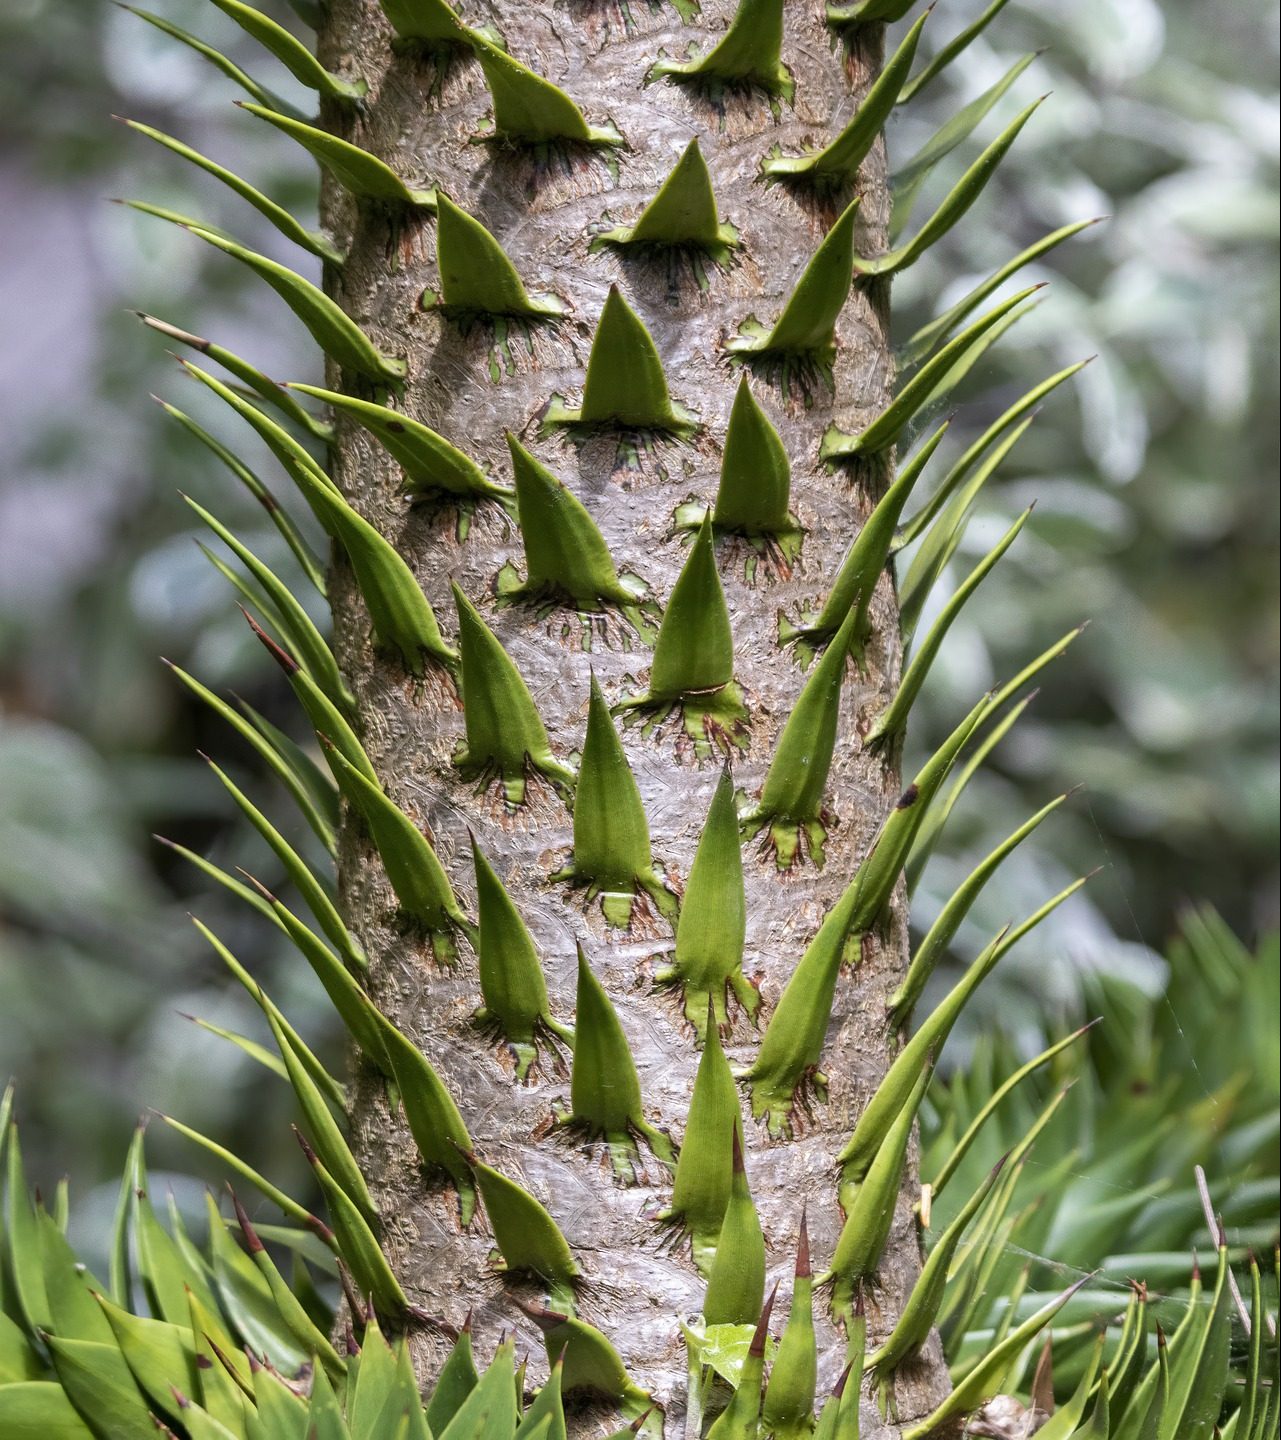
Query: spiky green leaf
(504,732)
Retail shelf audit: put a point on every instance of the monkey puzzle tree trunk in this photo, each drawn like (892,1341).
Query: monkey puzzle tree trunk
(475,379)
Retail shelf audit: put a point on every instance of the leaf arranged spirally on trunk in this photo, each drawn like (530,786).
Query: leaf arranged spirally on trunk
(320,1077)
(370,1271)
(682,215)
(920,390)
(361,174)
(316,817)
(736,1280)
(476,277)
(590,1364)
(958,200)
(869,1204)
(907,182)
(893,1092)
(432,465)
(430,1111)
(528,1238)
(605,1094)
(284,221)
(565,553)
(749,55)
(789,1396)
(292,53)
(893,719)
(756,474)
(930,951)
(704,1174)
(612,853)
(866,12)
(694,652)
(920,1309)
(807,324)
(325,717)
(216,58)
(944,56)
(944,537)
(511,977)
(413,868)
(625,386)
(300,630)
(328,324)
(316,896)
(791,802)
(430,23)
(311,1339)
(266,389)
(712,926)
(402,618)
(837,164)
(959,471)
(504,733)
(531,111)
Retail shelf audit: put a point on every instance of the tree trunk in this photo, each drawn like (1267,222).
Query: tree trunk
(472,387)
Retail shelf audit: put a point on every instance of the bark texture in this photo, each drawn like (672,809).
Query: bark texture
(424,121)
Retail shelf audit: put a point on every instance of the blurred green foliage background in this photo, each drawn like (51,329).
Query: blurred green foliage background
(1155,472)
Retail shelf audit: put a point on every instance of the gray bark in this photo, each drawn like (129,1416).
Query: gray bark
(422,123)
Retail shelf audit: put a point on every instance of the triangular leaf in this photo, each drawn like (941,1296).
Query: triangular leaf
(359,173)
(791,802)
(755,481)
(836,165)
(504,732)
(704,1169)
(793,1042)
(694,651)
(432,1116)
(682,214)
(736,1282)
(511,978)
(311,565)
(291,53)
(528,1238)
(429,461)
(712,926)
(625,384)
(412,865)
(529,110)
(611,834)
(565,553)
(929,335)
(866,559)
(283,219)
(605,1095)
(807,325)
(475,274)
(748,54)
